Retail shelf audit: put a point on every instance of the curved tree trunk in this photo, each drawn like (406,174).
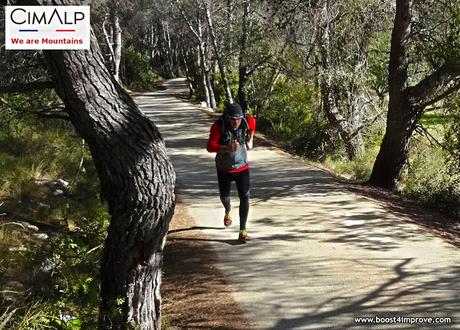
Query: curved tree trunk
(407,104)
(394,149)
(137,181)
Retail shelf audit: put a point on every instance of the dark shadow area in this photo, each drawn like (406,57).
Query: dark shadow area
(225,241)
(193,228)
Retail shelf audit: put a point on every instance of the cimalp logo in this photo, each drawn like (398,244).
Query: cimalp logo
(47,27)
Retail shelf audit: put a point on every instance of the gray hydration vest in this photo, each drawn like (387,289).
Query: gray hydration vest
(227,161)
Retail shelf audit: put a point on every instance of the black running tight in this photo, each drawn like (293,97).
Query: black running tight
(242,181)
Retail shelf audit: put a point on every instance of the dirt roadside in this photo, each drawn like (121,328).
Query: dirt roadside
(195,293)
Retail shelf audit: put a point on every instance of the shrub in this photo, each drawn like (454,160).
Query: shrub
(429,178)
(138,74)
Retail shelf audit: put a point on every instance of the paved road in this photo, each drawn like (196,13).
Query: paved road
(320,255)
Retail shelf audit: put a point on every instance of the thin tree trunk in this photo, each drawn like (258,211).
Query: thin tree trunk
(242,60)
(204,69)
(328,99)
(137,181)
(116,28)
(109,40)
(212,97)
(184,57)
(242,88)
(220,61)
(202,58)
(337,121)
(230,24)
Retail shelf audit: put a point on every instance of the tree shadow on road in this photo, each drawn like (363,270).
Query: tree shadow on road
(339,311)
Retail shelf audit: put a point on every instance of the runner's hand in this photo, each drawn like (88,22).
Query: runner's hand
(234,146)
(249,144)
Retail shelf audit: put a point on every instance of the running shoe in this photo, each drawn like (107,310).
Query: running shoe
(243,236)
(228,218)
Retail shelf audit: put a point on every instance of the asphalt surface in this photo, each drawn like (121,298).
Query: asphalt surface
(320,256)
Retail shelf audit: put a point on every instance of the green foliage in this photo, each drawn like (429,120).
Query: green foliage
(32,149)
(66,295)
(291,116)
(359,168)
(452,133)
(378,58)
(219,88)
(429,179)
(138,74)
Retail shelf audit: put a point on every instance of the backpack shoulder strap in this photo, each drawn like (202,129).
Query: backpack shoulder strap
(222,124)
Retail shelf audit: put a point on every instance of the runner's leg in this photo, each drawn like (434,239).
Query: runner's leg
(224,181)
(242,181)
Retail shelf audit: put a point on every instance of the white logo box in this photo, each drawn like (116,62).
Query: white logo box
(47,27)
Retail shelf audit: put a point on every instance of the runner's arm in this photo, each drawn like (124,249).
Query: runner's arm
(252,131)
(214,138)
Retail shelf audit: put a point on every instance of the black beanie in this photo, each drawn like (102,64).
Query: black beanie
(234,110)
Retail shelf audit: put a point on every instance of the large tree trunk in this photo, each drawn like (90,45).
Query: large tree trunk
(394,150)
(137,181)
(407,104)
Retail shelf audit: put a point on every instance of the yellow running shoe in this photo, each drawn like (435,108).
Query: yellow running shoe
(243,236)
(228,218)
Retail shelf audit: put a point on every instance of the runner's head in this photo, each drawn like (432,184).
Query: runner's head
(234,114)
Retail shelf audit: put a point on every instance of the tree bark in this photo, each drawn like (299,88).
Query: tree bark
(401,120)
(137,181)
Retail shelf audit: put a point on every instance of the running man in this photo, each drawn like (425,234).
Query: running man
(231,136)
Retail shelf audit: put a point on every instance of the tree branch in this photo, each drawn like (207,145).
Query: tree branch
(435,87)
(60,112)
(189,23)
(28,87)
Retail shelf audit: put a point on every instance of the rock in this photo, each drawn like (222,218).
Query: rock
(58,192)
(28,226)
(58,187)
(21,248)
(66,317)
(15,284)
(47,266)
(43,205)
(40,235)
(62,183)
